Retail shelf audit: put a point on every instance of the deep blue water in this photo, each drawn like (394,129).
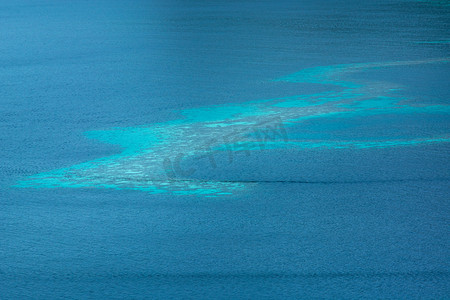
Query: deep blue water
(351,202)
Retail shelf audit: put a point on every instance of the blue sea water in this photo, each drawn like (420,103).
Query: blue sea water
(121,175)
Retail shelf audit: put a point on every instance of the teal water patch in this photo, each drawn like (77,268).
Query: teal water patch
(383,126)
(219,113)
(153,156)
(436,2)
(381,102)
(305,144)
(434,42)
(131,139)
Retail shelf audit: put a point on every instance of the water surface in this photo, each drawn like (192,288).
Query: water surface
(108,107)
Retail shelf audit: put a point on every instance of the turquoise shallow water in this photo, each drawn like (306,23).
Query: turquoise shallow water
(202,131)
(185,149)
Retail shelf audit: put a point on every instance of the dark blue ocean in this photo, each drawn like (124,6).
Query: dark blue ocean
(224,149)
